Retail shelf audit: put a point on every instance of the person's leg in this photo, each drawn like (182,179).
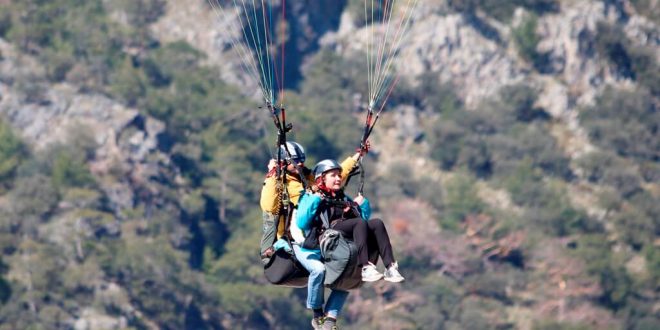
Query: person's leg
(335,303)
(356,229)
(378,230)
(378,233)
(311,260)
(267,235)
(333,307)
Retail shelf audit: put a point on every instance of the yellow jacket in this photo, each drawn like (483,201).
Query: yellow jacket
(270,192)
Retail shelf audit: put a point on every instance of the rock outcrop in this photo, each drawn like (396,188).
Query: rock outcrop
(217,32)
(45,115)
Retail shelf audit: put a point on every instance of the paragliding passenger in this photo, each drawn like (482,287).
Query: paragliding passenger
(329,207)
(293,157)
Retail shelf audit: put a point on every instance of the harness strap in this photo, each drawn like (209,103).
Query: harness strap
(324,218)
(361,187)
(287,224)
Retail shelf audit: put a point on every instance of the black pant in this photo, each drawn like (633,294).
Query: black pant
(379,240)
(356,230)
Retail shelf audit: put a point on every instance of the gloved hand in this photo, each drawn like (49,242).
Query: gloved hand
(282,244)
(364,149)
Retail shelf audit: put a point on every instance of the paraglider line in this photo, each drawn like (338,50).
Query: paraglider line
(282,39)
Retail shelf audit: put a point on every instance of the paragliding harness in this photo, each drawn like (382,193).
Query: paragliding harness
(283,268)
(340,254)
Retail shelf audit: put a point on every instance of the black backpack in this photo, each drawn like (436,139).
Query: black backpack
(283,268)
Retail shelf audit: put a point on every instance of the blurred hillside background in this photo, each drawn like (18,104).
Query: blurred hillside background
(517,164)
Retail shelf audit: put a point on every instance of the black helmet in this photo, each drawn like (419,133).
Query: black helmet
(297,152)
(324,166)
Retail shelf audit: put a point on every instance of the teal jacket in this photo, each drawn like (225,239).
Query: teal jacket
(308,207)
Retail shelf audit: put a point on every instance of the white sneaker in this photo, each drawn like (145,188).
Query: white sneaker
(392,273)
(317,323)
(370,273)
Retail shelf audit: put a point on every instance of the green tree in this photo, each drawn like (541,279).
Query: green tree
(5,287)
(500,133)
(69,169)
(603,263)
(525,184)
(628,59)
(440,97)
(69,35)
(34,197)
(58,59)
(445,138)
(461,201)
(555,325)
(327,124)
(12,152)
(595,164)
(141,13)
(546,204)
(170,60)
(526,39)
(653,261)
(128,83)
(332,80)
(630,133)
(5,23)
(503,9)
(38,19)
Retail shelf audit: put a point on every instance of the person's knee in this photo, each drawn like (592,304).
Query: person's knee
(317,270)
(376,224)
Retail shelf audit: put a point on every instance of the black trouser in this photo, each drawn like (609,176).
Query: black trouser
(356,230)
(379,240)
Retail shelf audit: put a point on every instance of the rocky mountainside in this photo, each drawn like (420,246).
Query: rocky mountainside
(121,137)
(213,32)
(516,165)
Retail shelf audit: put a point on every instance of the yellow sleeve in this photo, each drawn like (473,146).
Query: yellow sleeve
(270,196)
(346,168)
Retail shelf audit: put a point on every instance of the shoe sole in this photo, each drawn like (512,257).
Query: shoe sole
(372,279)
(395,280)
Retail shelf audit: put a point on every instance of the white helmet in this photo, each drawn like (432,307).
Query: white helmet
(295,153)
(324,166)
